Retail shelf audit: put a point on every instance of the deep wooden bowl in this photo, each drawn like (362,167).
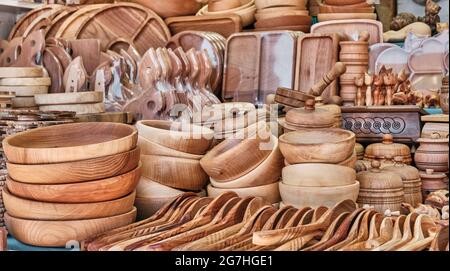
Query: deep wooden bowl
(282,8)
(77,171)
(222,5)
(69,142)
(180,173)
(172,8)
(46,233)
(318,175)
(246,11)
(187,138)
(303,196)
(269,192)
(332,145)
(35,210)
(85,192)
(151,148)
(262,4)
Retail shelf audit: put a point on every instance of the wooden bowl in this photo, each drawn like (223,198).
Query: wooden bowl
(151,148)
(180,173)
(262,4)
(187,138)
(222,5)
(300,28)
(69,98)
(322,17)
(246,11)
(217,112)
(77,171)
(35,210)
(303,196)
(266,16)
(233,158)
(269,192)
(318,175)
(350,162)
(278,9)
(283,21)
(46,233)
(85,192)
(172,8)
(345,9)
(344,2)
(269,171)
(240,121)
(69,142)
(332,145)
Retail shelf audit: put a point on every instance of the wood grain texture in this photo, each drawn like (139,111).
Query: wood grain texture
(69,98)
(58,20)
(35,210)
(70,142)
(88,108)
(77,171)
(150,148)
(318,175)
(58,233)
(269,192)
(225,25)
(31,81)
(19,102)
(118,117)
(85,192)
(19,72)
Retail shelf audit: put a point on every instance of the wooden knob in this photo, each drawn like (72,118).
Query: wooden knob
(375,164)
(398,159)
(429,171)
(310,105)
(388,139)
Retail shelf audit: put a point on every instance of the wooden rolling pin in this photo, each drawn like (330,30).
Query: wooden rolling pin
(338,69)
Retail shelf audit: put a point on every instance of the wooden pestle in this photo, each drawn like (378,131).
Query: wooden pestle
(338,69)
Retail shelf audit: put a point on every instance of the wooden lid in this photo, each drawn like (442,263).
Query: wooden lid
(379,179)
(335,109)
(404,171)
(430,174)
(310,116)
(435,137)
(387,148)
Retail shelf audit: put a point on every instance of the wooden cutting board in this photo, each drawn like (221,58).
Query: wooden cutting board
(225,25)
(31,49)
(58,20)
(316,55)
(25,91)
(118,117)
(351,28)
(257,63)
(89,50)
(78,108)
(55,71)
(36,81)
(43,21)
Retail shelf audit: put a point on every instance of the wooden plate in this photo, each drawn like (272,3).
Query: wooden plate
(318,175)
(58,20)
(225,25)
(85,192)
(71,142)
(59,233)
(268,192)
(345,16)
(78,171)
(92,108)
(19,72)
(28,81)
(35,210)
(69,98)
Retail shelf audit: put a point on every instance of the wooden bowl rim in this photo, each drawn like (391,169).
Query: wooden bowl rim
(297,170)
(350,136)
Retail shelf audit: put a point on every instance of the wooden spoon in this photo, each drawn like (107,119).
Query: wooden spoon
(440,242)
(295,219)
(352,233)
(425,230)
(408,229)
(396,235)
(374,231)
(386,232)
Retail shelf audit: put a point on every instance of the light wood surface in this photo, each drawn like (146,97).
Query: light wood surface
(26,81)
(19,72)
(19,102)
(88,108)
(318,175)
(25,91)
(151,148)
(69,98)
(323,17)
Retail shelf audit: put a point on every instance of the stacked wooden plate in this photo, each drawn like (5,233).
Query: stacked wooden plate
(347,9)
(20,84)
(248,166)
(317,185)
(170,156)
(282,15)
(244,8)
(68,183)
(88,102)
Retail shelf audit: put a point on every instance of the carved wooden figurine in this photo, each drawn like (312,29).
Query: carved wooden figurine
(359,82)
(368,80)
(431,17)
(389,82)
(431,101)
(378,83)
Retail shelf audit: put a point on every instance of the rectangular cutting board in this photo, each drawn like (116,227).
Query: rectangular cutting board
(316,55)
(226,25)
(257,63)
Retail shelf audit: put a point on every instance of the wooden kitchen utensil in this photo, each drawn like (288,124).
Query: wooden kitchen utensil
(268,192)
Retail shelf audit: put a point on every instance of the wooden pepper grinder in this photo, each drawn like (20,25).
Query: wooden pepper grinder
(359,100)
(368,80)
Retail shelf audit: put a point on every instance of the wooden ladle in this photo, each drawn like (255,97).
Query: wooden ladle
(425,231)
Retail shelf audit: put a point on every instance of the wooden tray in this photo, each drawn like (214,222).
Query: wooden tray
(250,62)
(143,27)
(42,21)
(225,25)
(316,55)
(283,21)
(352,27)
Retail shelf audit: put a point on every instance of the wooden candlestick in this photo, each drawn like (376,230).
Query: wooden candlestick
(368,80)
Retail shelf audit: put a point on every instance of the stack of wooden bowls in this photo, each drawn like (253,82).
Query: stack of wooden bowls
(317,185)
(170,157)
(346,9)
(88,102)
(380,189)
(355,55)
(282,15)
(432,153)
(24,83)
(70,182)
(249,166)
(433,181)
(386,151)
(326,146)
(244,8)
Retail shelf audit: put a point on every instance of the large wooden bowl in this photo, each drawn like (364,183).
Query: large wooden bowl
(77,171)
(180,173)
(85,192)
(246,11)
(187,138)
(69,142)
(171,8)
(151,148)
(46,233)
(35,210)
(269,192)
(303,196)
(322,175)
(330,145)
(262,4)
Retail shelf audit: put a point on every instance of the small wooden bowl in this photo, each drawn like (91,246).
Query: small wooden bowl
(150,148)
(283,21)
(217,112)
(318,175)
(331,145)
(245,11)
(69,142)
(222,5)
(266,16)
(240,121)
(350,162)
(323,17)
(77,171)
(303,196)
(192,139)
(345,9)
(35,210)
(268,192)
(171,8)
(262,4)
(46,233)
(180,173)
(233,158)
(69,98)
(269,171)
(86,192)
